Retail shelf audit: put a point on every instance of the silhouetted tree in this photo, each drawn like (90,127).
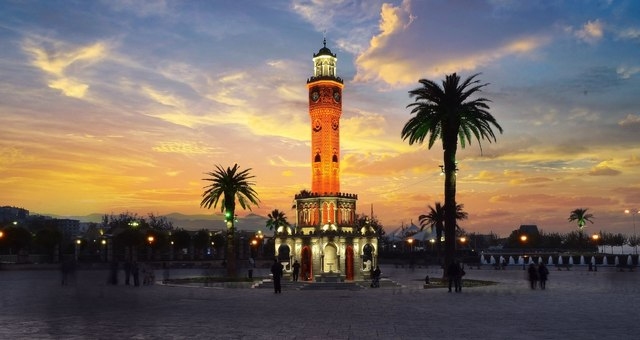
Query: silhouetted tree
(230,184)
(447,113)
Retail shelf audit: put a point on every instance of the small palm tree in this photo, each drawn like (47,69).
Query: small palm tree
(580,215)
(446,113)
(277,219)
(230,184)
(435,220)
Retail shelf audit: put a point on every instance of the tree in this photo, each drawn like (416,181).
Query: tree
(364,220)
(277,219)
(447,113)
(229,184)
(48,238)
(181,241)
(16,239)
(435,220)
(201,241)
(581,216)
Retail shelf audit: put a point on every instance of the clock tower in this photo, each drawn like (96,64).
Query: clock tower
(325,109)
(326,241)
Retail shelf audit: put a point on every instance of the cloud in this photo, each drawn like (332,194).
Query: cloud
(591,32)
(388,60)
(183,148)
(630,120)
(69,87)
(57,59)
(625,72)
(629,33)
(603,169)
(140,8)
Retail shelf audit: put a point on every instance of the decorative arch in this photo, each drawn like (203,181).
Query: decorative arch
(367,256)
(330,263)
(284,252)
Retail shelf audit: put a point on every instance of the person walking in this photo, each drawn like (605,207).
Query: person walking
(296,270)
(276,271)
(543,274)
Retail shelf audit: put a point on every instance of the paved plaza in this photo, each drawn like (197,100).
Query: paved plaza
(577,304)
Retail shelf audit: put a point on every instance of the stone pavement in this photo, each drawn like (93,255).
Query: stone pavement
(576,305)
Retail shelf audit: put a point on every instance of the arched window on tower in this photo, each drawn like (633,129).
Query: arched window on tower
(317,158)
(334,158)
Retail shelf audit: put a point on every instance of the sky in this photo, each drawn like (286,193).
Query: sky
(125,105)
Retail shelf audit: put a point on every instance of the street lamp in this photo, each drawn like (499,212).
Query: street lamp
(523,239)
(410,241)
(633,213)
(595,238)
(150,239)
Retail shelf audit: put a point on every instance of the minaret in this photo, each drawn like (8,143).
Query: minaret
(325,109)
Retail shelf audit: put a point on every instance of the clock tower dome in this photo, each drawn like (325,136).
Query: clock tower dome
(325,109)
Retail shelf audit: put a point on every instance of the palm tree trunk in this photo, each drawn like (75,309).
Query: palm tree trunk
(449,207)
(230,249)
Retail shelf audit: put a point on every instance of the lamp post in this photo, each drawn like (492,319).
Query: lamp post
(410,241)
(633,213)
(523,239)
(77,252)
(463,240)
(150,239)
(595,238)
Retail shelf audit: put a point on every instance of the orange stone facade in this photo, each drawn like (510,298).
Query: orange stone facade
(325,109)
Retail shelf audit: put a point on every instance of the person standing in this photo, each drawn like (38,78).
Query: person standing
(543,274)
(375,277)
(276,271)
(453,274)
(296,270)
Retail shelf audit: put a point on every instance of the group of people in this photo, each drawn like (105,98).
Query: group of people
(132,270)
(277,271)
(538,274)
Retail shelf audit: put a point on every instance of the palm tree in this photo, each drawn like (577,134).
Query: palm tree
(435,220)
(277,219)
(446,113)
(230,184)
(580,215)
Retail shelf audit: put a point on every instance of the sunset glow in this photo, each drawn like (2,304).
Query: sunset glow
(112,106)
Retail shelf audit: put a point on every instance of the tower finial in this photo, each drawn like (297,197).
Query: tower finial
(324,38)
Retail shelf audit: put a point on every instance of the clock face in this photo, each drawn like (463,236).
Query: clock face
(315,96)
(317,125)
(336,96)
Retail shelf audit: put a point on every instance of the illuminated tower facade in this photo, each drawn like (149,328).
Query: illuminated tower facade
(325,109)
(326,240)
